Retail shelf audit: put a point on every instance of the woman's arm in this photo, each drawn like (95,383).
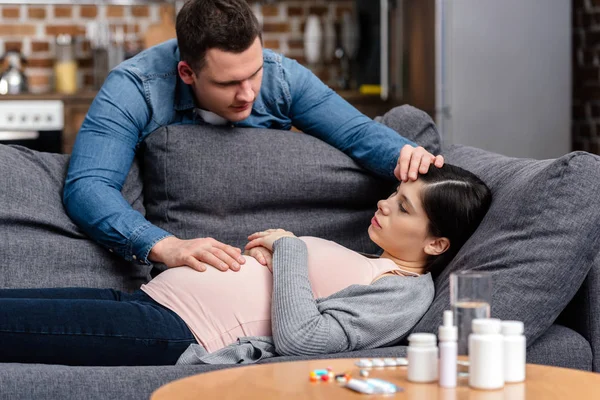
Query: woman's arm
(298,326)
(358,317)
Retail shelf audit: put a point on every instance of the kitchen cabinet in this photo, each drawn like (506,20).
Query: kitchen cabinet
(67,2)
(75,109)
(75,113)
(370,105)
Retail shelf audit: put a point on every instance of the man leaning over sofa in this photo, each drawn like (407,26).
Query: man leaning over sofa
(216,72)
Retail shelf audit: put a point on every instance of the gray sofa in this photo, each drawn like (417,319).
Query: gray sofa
(540,240)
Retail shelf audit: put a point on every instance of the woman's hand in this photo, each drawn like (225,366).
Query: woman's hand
(262,255)
(266,238)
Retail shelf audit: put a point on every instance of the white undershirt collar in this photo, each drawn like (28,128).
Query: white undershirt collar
(210,117)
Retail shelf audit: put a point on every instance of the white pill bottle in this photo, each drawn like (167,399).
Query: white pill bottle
(448,334)
(514,351)
(422,354)
(486,354)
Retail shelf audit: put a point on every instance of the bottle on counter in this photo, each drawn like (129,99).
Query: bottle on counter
(486,354)
(65,65)
(448,335)
(422,354)
(13,80)
(514,351)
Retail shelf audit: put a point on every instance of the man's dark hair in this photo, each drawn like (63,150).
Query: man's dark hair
(227,25)
(455,201)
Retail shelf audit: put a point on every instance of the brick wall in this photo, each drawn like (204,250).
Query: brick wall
(283,27)
(32,29)
(586,75)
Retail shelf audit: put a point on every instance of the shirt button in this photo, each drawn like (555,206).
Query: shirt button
(111,250)
(134,257)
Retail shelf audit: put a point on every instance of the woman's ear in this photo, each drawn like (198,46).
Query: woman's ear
(186,72)
(437,246)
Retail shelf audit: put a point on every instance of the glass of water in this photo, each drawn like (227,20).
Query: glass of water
(470,298)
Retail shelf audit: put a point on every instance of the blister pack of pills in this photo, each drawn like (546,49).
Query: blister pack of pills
(381,362)
(372,386)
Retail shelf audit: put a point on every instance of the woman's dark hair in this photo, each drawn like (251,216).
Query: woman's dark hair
(227,25)
(455,201)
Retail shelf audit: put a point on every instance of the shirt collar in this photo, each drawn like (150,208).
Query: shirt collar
(210,117)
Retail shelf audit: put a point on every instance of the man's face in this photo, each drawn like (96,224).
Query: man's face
(228,83)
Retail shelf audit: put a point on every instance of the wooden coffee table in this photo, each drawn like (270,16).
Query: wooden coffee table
(290,380)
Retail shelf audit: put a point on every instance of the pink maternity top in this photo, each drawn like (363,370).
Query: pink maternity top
(219,307)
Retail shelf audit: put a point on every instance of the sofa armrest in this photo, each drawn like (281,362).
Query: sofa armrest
(583,312)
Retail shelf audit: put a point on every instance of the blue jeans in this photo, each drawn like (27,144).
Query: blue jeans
(81,326)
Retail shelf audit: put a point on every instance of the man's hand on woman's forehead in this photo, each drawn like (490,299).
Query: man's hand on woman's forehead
(414,161)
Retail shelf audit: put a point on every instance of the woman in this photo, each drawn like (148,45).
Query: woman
(319,297)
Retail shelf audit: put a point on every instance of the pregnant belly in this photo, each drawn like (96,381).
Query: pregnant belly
(217,306)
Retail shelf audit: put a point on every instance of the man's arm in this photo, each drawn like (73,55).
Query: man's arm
(319,111)
(101,159)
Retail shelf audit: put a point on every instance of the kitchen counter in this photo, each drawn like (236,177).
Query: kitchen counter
(87,96)
(369,104)
(75,109)
(352,96)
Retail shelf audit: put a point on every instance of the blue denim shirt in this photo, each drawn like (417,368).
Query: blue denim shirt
(145,93)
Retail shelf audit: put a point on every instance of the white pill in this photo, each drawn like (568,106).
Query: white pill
(364,363)
(378,362)
(389,362)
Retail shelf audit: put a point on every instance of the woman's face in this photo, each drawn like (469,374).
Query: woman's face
(399,226)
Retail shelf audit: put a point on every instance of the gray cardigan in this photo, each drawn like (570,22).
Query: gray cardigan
(357,317)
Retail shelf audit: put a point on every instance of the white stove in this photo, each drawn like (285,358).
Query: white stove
(37,124)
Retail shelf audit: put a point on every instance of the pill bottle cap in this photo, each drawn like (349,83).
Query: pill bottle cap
(448,332)
(422,339)
(512,327)
(486,325)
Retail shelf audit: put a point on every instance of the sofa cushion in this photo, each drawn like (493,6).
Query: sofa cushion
(583,313)
(37,381)
(226,183)
(222,182)
(561,347)
(538,239)
(39,244)
(415,125)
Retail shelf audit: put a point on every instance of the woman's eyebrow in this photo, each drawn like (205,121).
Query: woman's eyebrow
(403,197)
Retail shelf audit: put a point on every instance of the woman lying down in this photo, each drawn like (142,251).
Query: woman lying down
(315,296)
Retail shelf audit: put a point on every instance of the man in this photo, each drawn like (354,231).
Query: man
(217,73)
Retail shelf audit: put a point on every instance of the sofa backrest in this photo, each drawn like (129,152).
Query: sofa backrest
(538,240)
(208,181)
(39,244)
(307,186)
(227,183)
